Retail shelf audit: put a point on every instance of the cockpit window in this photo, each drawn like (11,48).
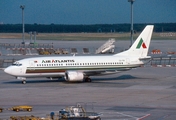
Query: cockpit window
(16,64)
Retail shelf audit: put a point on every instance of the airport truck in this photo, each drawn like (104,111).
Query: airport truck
(22,108)
(77,113)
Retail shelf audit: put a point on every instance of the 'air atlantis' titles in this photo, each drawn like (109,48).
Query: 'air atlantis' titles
(57,61)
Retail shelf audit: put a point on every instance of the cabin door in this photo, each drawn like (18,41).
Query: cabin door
(31,65)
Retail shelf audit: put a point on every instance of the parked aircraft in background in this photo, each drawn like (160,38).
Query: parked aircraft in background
(79,68)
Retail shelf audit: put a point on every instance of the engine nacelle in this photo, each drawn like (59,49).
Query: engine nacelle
(74,76)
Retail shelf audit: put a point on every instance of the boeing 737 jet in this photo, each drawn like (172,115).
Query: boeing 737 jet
(80,68)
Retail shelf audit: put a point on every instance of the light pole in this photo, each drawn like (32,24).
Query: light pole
(132,31)
(22,7)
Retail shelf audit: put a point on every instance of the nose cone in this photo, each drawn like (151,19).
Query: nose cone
(8,70)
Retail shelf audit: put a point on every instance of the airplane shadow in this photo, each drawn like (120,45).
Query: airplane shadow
(33,81)
(61,80)
(122,77)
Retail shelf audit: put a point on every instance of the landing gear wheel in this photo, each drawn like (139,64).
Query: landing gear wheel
(98,118)
(24,82)
(88,80)
(29,110)
(17,110)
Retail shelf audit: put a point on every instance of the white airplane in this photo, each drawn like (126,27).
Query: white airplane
(79,68)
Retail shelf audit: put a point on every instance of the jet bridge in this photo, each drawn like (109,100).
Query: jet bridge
(109,45)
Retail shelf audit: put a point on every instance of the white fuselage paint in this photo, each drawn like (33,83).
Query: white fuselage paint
(56,66)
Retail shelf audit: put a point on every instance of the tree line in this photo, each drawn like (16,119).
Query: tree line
(96,28)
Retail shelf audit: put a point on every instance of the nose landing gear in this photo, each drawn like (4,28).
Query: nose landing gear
(24,82)
(23,79)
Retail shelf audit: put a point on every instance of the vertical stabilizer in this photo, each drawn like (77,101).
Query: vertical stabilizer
(141,46)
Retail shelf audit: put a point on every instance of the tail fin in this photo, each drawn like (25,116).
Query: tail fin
(141,46)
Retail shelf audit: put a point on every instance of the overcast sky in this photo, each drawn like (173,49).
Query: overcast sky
(87,11)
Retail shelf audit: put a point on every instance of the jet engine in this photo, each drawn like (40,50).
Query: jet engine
(74,76)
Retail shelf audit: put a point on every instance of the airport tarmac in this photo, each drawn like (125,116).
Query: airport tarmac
(134,93)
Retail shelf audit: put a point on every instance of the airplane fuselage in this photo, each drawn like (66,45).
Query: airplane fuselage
(57,66)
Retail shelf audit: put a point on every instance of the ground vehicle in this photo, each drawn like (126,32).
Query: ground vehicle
(22,108)
(24,118)
(1,109)
(77,113)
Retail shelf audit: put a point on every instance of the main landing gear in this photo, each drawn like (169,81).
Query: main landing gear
(87,79)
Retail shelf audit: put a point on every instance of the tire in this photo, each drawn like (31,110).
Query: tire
(29,110)
(23,82)
(88,80)
(17,110)
(99,118)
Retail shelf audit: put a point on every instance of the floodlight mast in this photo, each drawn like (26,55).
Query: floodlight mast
(23,37)
(132,31)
